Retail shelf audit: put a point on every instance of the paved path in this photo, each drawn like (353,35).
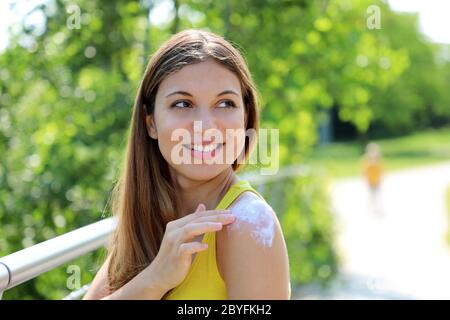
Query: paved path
(401,253)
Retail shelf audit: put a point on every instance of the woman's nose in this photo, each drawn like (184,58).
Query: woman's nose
(203,121)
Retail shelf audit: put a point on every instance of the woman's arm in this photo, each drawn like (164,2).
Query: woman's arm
(173,261)
(99,286)
(252,254)
(140,287)
(144,286)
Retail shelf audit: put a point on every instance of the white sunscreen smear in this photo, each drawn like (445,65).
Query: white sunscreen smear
(256,214)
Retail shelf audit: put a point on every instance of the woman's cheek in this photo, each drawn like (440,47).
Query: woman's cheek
(235,142)
(171,139)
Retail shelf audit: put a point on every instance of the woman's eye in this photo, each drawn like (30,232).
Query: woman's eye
(227,104)
(181,104)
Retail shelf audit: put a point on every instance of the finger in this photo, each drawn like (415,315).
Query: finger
(189,248)
(198,214)
(200,207)
(178,223)
(225,219)
(192,230)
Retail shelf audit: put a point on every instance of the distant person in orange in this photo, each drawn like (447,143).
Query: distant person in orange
(373,171)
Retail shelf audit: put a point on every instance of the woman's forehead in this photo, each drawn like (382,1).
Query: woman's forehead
(200,78)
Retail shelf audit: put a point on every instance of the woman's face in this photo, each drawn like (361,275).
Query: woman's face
(199,120)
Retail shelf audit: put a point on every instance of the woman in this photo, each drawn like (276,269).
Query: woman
(373,172)
(191,229)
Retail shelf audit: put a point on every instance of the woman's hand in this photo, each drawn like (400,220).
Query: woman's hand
(172,263)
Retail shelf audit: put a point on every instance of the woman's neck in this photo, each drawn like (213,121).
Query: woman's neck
(208,192)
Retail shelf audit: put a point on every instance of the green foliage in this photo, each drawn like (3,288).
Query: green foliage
(63,124)
(66,96)
(303,209)
(420,97)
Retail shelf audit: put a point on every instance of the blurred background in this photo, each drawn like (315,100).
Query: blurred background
(359,90)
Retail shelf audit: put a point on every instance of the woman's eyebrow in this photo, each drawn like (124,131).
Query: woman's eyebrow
(229,91)
(179,92)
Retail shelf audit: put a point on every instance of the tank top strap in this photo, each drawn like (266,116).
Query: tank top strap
(234,192)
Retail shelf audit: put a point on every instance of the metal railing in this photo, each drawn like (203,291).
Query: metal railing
(28,263)
(31,262)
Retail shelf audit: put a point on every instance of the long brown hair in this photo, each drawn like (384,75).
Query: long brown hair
(144,199)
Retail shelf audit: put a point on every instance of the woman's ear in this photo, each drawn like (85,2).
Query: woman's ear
(151,128)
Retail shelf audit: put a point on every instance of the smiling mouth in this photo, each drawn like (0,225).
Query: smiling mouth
(203,148)
(204,151)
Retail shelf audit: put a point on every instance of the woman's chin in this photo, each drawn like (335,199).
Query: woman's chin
(202,172)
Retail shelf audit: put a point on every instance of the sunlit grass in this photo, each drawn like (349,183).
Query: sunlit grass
(344,159)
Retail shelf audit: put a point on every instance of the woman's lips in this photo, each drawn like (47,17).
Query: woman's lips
(204,151)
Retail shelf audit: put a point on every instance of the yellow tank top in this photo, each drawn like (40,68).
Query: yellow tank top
(203,281)
(373,172)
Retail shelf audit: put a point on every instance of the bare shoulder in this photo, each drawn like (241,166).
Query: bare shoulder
(254,218)
(251,252)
